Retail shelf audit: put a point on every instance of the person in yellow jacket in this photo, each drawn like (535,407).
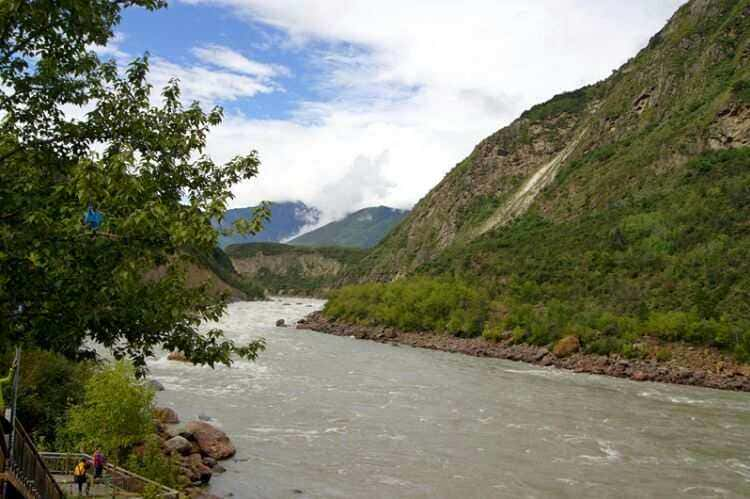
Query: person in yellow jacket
(79,474)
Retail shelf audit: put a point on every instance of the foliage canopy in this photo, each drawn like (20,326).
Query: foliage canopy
(115,414)
(76,132)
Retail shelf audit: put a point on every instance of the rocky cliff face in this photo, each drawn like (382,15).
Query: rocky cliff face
(594,148)
(293,270)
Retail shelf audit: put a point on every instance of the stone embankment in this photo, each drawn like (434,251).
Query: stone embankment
(196,446)
(687,365)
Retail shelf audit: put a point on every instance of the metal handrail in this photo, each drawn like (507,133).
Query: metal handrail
(64,462)
(29,466)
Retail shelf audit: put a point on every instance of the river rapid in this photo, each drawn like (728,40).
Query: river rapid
(325,416)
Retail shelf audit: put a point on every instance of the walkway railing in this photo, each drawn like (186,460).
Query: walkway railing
(61,463)
(26,467)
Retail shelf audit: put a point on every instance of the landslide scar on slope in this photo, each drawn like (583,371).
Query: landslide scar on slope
(522,199)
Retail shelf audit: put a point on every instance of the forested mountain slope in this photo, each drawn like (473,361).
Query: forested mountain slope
(613,212)
(362,229)
(609,144)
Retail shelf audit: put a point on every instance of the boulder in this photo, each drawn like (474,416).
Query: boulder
(155,385)
(166,415)
(281,323)
(178,444)
(195,448)
(189,473)
(203,472)
(173,430)
(212,441)
(178,356)
(194,460)
(567,346)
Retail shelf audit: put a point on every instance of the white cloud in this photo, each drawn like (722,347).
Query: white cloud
(424,80)
(112,49)
(227,58)
(204,84)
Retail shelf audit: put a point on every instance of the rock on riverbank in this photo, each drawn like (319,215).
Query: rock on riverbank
(197,447)
(688,365)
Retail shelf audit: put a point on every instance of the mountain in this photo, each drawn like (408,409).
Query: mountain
(287,219)
(217,269)
(362,229)
(614,212)
(295,270)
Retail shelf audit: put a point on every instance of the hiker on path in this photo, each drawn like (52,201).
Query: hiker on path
(80,474)
(98,463)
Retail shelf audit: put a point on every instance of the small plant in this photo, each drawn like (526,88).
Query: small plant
(741,90)
(663,355)
(636,351)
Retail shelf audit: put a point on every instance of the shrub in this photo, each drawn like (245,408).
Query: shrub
(568,102)
(741,90)
(115,413)
(663,355)
(418,304)
(604,346)
(42,403)
(154,465)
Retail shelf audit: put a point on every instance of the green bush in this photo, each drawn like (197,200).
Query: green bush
(114,415)
(49,385)
(419,304)
(154,465)
(663,355)
(741,90)
(568,102)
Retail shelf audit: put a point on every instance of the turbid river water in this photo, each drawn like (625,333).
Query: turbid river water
(325,416)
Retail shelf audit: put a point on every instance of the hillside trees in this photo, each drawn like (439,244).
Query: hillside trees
(78,133)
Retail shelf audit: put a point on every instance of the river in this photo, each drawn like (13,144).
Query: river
(324,416)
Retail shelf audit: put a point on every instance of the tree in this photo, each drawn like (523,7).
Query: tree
(78,133)
(49,384)
(115,414)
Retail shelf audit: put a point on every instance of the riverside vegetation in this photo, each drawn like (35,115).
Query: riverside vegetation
(638,230)
(136,279)
(664,247)
(104,405)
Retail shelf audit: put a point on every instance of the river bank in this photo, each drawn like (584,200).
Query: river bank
(687,365)
(196,447)
(322,416)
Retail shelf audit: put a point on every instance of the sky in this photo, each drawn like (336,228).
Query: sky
(355,103)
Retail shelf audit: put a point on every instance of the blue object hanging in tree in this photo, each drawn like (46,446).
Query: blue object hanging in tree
(93,218)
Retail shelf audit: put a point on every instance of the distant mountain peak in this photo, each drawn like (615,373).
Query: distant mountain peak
(288,218)
(361,229)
